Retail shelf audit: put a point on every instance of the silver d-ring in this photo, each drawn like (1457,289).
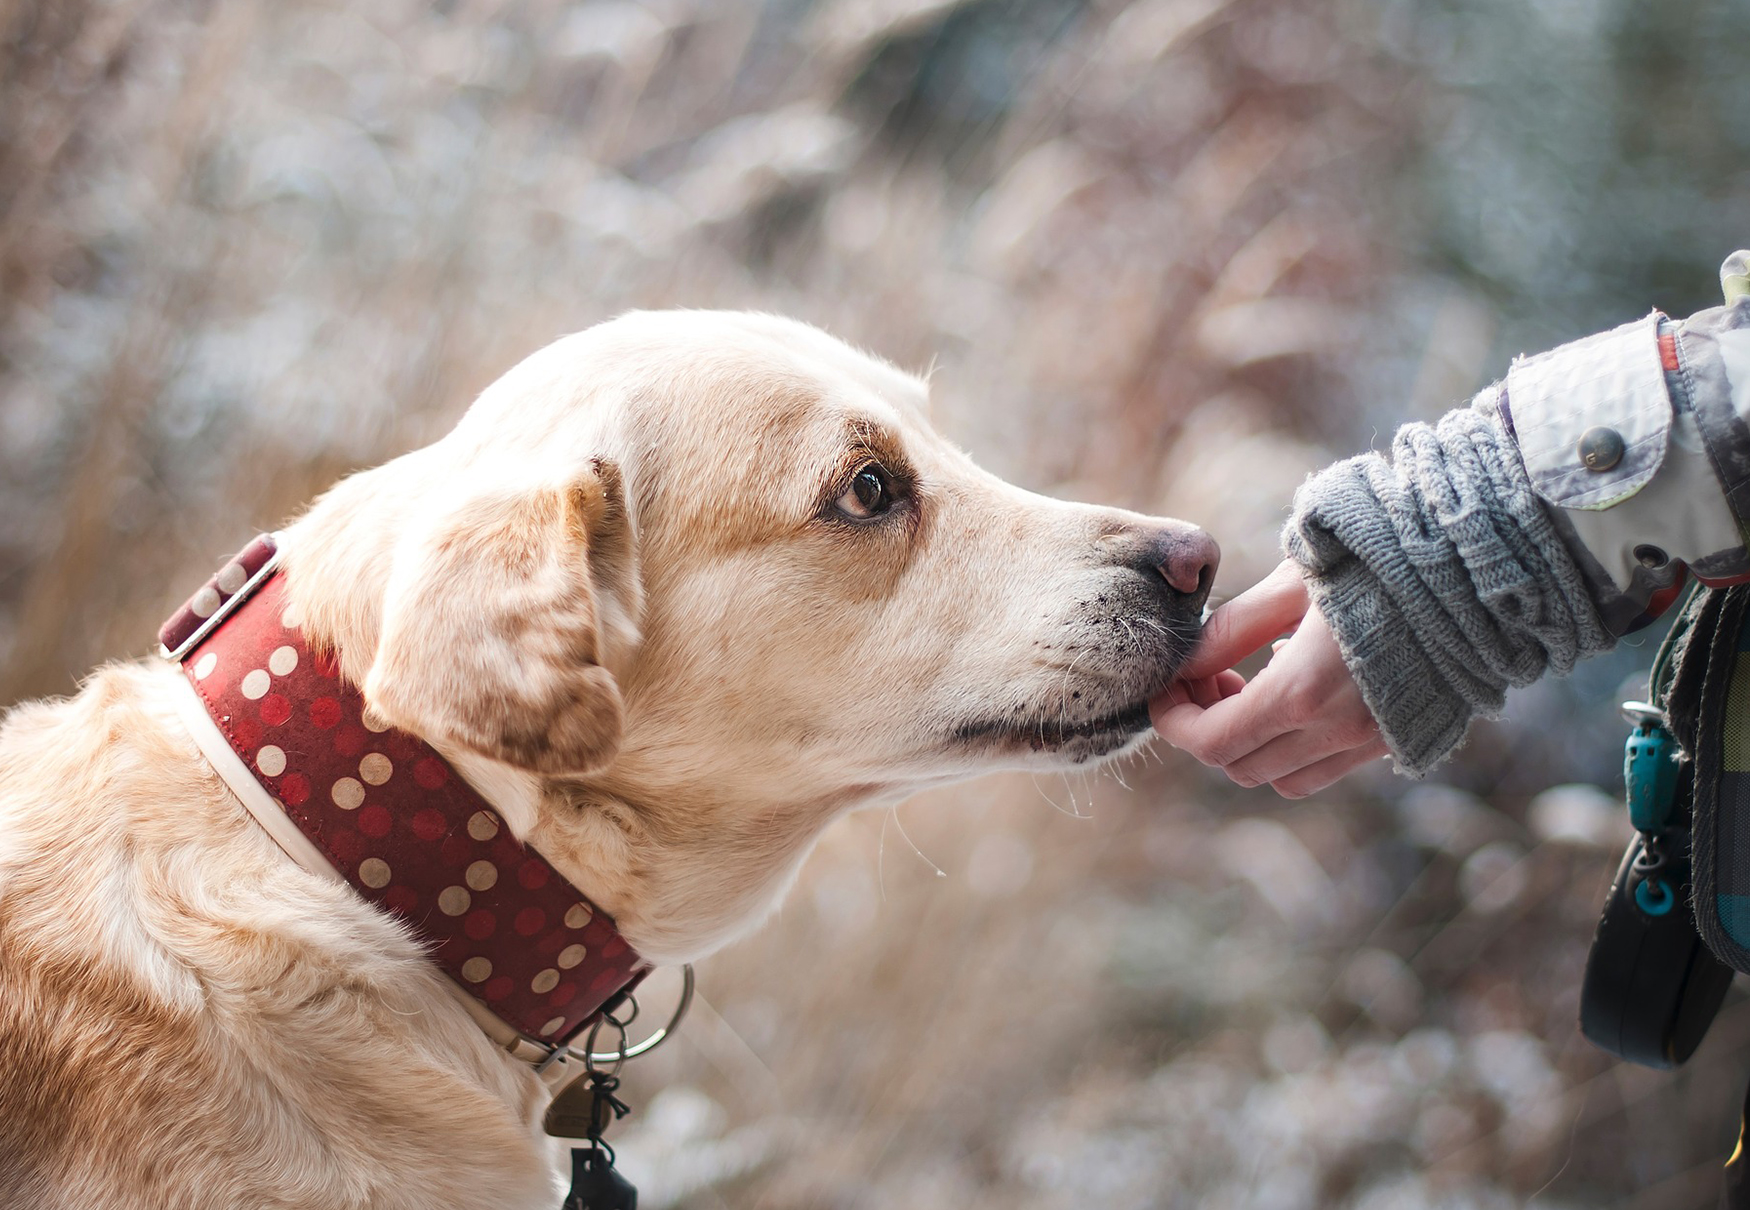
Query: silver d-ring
(654,1040)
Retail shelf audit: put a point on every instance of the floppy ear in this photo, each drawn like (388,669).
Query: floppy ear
(490,635)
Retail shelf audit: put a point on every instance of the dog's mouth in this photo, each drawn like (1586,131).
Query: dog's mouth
(1107,713)
(1079,739)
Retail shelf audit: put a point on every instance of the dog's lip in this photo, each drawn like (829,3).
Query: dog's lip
(1045,734)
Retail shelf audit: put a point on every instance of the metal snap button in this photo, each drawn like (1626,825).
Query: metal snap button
(1600,448)
(1651,557)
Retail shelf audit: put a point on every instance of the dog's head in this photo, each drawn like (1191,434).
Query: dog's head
(689,584)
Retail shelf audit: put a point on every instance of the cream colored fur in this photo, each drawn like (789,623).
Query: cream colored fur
(623,597)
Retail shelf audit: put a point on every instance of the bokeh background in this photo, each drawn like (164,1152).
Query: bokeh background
(1170,254)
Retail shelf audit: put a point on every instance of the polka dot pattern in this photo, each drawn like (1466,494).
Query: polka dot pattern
(232,576)
(395,820)
(429,825)
(214,593)
(276,708)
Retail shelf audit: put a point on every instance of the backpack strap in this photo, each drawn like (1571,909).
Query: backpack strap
(1715,669)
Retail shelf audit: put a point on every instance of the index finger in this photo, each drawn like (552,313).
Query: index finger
(1224,732)
(1249,622)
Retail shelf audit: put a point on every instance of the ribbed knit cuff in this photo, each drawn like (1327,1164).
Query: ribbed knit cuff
(1422,717)
(1443,578)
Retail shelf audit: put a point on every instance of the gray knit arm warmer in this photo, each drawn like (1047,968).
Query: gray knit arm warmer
(1443,578)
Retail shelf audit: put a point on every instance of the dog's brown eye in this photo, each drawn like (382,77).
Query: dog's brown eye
(870,493)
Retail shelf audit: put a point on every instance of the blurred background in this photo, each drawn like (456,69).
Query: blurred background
(1169,254)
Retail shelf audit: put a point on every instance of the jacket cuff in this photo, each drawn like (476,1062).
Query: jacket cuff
(1592,418)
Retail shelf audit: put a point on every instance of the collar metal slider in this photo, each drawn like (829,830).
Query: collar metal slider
(232,585)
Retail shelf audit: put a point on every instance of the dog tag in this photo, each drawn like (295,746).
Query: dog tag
(595,1185)
(572,1115)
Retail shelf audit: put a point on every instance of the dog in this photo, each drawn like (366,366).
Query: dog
(674,594)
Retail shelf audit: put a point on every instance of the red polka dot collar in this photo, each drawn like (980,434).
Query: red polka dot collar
(389,815)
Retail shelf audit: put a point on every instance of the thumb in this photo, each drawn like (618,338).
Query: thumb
(1249,622)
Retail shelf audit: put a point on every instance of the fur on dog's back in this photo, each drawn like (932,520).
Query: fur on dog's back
(186,1018)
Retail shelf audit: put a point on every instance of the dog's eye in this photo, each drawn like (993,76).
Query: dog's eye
(870,493)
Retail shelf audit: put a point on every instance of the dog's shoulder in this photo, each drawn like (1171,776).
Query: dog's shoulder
(188,1018)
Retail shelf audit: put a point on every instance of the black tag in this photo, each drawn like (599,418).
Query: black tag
(595,1185)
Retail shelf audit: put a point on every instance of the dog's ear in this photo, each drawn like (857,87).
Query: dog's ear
(491,628)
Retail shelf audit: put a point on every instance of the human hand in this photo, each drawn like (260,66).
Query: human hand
(1300,724)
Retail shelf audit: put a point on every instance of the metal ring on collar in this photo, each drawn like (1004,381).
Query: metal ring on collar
(656,1039)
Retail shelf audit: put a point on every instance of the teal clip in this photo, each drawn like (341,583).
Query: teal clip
(1649,768)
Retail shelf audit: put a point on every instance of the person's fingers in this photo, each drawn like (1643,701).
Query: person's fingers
(1249,621)
(1222,733)
(1182,692)
(1300,749)
(1327,772)
(1212,689)
(1322,703)
(1228,682)
(1203,692)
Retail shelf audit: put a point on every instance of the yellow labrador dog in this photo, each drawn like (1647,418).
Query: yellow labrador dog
(677,592)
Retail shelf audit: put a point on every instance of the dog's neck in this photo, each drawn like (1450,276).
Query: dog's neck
(685,875)
(337,570)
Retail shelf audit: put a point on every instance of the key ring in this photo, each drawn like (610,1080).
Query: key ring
(604,1062)
(594,1060)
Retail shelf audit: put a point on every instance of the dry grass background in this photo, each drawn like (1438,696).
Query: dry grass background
(1171,254)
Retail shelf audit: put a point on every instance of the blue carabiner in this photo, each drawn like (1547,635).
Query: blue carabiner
(1649,768)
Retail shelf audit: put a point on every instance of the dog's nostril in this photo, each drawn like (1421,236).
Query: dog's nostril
(1190,563)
